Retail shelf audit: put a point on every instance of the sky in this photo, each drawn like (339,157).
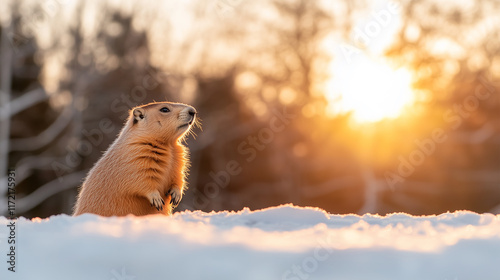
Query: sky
(363,81)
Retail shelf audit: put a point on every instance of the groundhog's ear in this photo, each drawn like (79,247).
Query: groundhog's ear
(138,114)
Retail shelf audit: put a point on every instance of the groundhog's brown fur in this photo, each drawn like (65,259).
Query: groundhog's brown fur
(143,171)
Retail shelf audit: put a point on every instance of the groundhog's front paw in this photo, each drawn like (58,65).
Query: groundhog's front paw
(176,196)
(156,200)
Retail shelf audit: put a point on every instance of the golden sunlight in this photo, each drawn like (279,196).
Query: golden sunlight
(371,90)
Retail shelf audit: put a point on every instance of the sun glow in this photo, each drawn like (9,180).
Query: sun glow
(370,89)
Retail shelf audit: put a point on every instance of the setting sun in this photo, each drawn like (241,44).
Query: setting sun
(370,89)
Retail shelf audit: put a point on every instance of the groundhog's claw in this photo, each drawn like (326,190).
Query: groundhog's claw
(176,196)
(156,200)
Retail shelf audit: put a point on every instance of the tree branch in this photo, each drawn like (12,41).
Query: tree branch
(51,188)
(19,104)
(25,166)
(6,54)
(47,136)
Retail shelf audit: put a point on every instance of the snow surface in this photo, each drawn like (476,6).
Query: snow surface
(284,242)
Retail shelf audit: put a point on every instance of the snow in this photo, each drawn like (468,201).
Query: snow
(284,242)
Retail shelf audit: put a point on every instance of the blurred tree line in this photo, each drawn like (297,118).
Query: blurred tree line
(71,71)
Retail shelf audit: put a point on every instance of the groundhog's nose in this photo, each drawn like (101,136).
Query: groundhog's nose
(192,112)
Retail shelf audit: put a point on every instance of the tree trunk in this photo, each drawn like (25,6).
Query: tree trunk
(5,87)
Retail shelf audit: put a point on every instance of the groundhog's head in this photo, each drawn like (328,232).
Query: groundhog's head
(163,120)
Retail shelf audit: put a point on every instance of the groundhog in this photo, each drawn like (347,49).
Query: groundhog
(143,172)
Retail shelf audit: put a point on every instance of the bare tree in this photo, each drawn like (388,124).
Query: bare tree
(5,88)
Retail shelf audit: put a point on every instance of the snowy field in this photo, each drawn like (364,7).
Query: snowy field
(284,242)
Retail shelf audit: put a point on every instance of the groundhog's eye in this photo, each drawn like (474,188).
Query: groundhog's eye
(164,110)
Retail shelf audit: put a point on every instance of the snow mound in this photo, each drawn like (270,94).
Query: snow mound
(284,242)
